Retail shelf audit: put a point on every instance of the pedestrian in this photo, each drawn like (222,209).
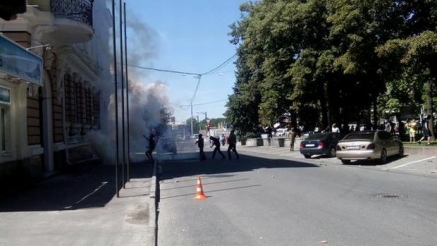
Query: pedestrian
(200,144)
(335,128)
(412,127)
(293,133)
(387,126)
(223,139)
(232,145)
(152,143)
(216,142)
(426,130)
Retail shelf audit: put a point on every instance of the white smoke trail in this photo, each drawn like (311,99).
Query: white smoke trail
(146,98)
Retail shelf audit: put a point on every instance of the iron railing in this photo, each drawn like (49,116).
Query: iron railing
(78,10)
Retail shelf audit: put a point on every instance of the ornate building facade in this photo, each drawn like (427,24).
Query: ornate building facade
(44,125)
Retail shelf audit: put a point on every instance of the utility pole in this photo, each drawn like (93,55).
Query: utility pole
(191,118)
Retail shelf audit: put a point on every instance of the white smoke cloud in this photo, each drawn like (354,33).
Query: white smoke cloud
(146,98)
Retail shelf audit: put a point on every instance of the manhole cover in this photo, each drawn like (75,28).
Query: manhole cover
(390,195)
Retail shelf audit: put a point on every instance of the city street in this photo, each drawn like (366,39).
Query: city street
(274,197)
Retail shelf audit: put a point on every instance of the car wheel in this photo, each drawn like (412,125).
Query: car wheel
(401,150)
(332,152)
(307,156)
(383,158)
(345,161)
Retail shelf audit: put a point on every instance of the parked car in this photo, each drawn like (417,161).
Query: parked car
(166,145)
(369,145)
(320,144)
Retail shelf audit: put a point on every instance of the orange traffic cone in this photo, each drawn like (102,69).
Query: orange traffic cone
(199,190)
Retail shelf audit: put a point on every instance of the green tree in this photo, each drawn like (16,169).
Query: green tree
(330,61)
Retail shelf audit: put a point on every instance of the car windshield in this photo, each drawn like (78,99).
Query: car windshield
(360,136)
(316,136)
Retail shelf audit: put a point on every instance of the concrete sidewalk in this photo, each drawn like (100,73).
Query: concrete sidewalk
(80,207)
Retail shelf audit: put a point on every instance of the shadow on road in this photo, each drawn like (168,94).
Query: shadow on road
(172,169)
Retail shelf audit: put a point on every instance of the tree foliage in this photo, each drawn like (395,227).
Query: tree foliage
(330,60)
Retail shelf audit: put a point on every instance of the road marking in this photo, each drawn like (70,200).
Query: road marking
(85,197)
(409,163)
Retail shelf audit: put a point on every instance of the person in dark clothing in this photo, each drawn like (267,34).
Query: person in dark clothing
(232,145)
(427,134)
(216,143)
(152,144)
(200,144)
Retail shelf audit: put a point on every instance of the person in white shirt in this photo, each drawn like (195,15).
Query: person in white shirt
(335,128)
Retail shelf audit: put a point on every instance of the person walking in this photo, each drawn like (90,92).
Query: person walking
(426,130)
(293,133)
(200,144)
(152,144)
(232,145)
(216,142)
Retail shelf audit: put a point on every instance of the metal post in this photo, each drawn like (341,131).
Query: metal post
(127,98)
(115,96)
(191,118)
(123,135)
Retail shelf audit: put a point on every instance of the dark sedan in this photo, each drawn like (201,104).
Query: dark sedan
(320,144)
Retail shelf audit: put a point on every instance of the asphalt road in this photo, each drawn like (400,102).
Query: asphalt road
(267,198)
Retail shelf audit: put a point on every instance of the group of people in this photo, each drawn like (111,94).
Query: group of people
(412,127)
(215,142)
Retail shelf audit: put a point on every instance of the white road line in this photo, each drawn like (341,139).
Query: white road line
(409,163)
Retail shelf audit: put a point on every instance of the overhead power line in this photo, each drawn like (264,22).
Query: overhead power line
(164,70)
(187,73)
(200,104)
(221,65)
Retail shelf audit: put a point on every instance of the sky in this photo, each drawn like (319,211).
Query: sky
(190,37)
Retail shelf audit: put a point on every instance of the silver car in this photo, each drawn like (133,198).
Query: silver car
(369,145)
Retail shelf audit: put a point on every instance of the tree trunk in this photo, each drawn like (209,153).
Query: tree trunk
(429,107)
